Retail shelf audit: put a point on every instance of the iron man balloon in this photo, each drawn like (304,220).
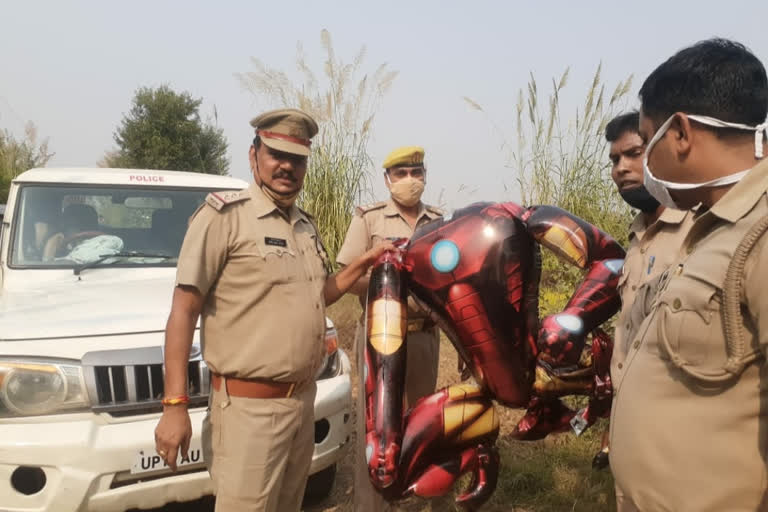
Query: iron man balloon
(476,274)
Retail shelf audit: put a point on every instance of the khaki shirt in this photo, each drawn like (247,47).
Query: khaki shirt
(262,273)
(651,250)
(373,224)
(678,444)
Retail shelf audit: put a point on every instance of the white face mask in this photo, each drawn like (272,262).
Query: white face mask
(660,188)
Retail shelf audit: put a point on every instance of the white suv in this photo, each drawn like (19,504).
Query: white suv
(87,266)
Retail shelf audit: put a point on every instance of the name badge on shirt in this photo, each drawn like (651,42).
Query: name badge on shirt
(277,242)
(651,261)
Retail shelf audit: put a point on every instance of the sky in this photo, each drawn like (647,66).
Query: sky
(72,67)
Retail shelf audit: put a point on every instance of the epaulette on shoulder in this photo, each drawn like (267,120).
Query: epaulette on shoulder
(362,210)
(218,200)
(435,210)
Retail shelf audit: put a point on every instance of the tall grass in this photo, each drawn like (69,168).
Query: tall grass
(344,100)
(565,163)
(562,160)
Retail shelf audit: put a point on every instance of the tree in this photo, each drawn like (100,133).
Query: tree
(344,107)
(163,130)
(17,156)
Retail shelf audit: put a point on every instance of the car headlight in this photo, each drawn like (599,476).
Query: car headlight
(331,366)
(31,388)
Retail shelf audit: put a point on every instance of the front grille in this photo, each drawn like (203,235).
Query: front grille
(130,382)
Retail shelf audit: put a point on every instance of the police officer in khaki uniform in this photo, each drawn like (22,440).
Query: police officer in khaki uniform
(655,233)
(689,424)
(253,266)
(398,217)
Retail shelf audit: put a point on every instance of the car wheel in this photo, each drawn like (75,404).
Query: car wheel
(320,484)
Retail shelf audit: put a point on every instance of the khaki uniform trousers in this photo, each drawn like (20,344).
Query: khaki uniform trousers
(258,451)
(420,380)
(624,504)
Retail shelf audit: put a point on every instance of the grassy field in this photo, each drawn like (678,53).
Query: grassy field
(550,475)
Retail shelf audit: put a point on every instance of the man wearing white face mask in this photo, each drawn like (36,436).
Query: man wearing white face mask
(405,177)
(689,424)
(654,235)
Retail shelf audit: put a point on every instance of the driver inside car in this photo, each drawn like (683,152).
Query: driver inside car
(79,222)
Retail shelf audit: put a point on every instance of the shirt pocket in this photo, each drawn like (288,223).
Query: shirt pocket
(642,301)
(280,265)
(689,321)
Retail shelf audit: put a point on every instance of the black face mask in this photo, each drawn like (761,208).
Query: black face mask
(640,198)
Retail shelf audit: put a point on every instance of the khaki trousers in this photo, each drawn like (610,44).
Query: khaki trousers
(259,451)
(420,380)
(625,505)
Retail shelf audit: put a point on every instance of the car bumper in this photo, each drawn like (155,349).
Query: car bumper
(333,417)
(86,459)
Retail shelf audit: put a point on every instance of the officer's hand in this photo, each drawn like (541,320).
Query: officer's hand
(173,433)
(52,246)
(373,254)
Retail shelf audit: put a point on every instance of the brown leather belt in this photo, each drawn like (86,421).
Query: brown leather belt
(252,388)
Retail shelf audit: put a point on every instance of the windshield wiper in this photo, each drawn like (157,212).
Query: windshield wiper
(79,268)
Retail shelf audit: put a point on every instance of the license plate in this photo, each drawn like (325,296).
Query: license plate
(148,461)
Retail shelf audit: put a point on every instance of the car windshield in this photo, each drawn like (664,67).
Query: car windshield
(68,227)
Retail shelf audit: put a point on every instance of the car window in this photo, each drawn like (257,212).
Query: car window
(67,226)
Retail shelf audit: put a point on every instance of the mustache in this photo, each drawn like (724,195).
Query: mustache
(284,175)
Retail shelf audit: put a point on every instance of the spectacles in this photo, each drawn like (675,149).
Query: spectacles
(402,172)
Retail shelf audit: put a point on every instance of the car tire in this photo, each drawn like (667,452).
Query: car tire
(320,484)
